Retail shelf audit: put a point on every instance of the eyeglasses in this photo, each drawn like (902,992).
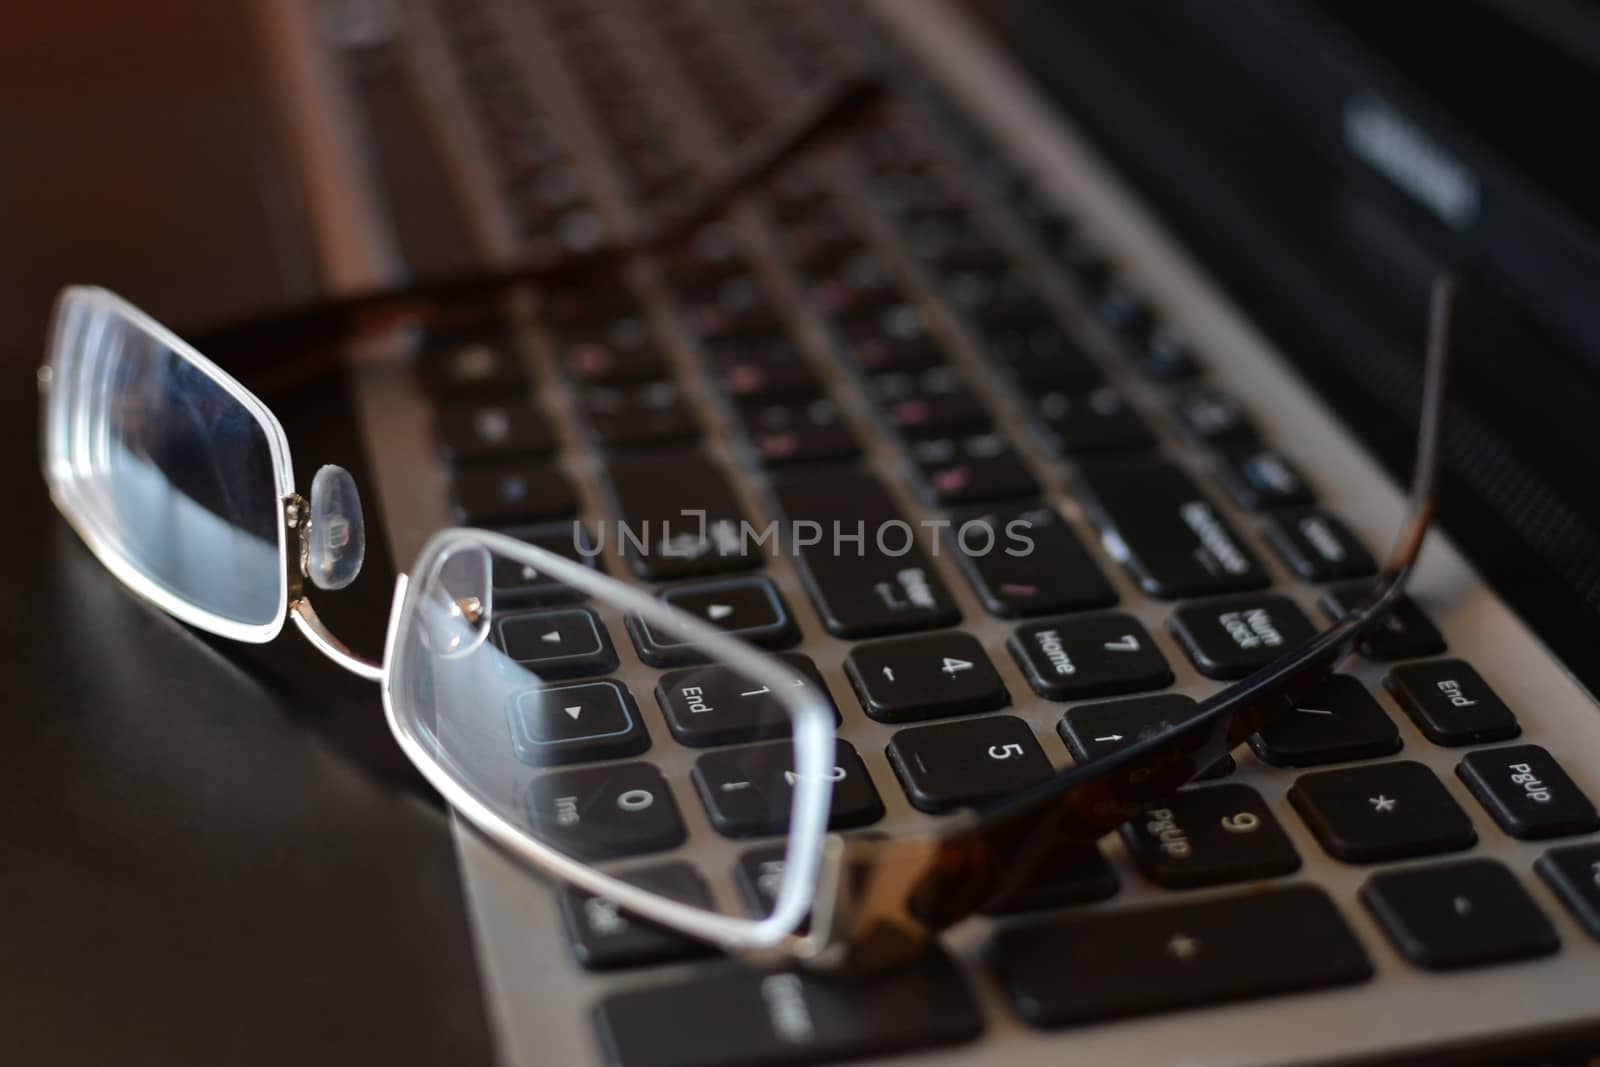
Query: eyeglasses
(179,480)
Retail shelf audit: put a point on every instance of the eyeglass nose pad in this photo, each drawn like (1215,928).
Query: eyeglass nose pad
(338,534)
(458,601)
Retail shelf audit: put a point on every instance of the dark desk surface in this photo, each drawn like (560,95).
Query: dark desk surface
(209,857)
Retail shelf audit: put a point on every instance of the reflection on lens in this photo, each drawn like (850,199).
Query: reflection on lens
(561,742)
(165,467)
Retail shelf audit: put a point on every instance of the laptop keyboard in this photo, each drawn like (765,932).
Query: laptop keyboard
(904,335)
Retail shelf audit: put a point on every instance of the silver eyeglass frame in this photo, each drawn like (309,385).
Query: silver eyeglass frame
(774,936)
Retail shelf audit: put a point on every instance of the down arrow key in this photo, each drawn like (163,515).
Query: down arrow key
(575,723)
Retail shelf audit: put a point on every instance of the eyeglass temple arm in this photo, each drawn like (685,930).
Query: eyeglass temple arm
(887,897)
(270,338)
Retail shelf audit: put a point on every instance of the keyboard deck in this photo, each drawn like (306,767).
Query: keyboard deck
(950,321)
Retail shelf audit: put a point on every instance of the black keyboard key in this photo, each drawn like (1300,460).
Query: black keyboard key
(1094,731)
(794,191)
(608,313)
(853,284)
(1338,722)
(907,193)
(709,254)
(1089,420)
(565,643)
(1406,634)
(878,583)
(783,434)
(1208,416)
(1231,637)
(1258,478)
(933,403)
(749,791)
(603,813)
(893,340)
(926,677)
(617,352)
(1451,704)
(1040,356)
(1115,964)
(678,515)
(634,416)
(733,307)
(732,1016)
(1162,356)
(1573,874)
(758,875)
(966,470)
(716,705)
(484,364)
(1124,312)
(1070,873)
(1211,836)
(469,431)
(1462,914)
(954,763)
(764,369)
(1155,521)
(576,723)
(1527,792)
(1089,656)
(1042,219)
(604,937)
(949,242)
(1083,261)
(1024,560)
(819,237)
(1388,811)
(750,609)
(522,492)
(1318,547)
(517,584)
(995,299)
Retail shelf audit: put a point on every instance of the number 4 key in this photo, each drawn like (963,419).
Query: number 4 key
(926,677)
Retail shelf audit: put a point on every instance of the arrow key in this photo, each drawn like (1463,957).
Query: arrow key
(575,723)
(569,643)
(747,608)
(520,584)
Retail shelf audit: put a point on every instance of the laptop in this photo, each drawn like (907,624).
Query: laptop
(1150,276)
